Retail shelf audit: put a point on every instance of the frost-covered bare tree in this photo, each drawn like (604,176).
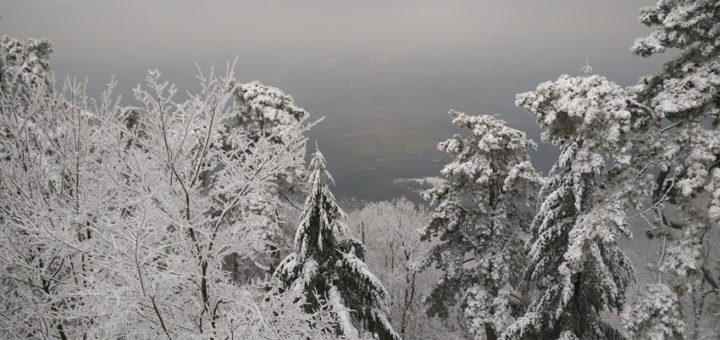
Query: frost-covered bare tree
(108,229)
(182,228)
(390,232)
(43,170)
(327,265)
(480,219)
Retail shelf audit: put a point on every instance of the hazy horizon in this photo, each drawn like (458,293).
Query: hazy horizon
(383,74)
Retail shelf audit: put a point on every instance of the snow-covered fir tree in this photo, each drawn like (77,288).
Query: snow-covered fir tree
(327,265)
(481,217)
(576,267)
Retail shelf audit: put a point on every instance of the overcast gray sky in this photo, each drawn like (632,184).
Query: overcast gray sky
(384,73)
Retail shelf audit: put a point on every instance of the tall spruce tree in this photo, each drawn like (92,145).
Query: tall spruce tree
(575,265)
(481,217)
(328,265)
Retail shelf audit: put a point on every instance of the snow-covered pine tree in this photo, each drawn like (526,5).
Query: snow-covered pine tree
(611,140)
(482,214)
(575,265)
(327,264)
(266,112)
(684,100)
(685,96)
(24,63)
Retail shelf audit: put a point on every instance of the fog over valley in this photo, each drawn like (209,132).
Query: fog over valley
(384,74)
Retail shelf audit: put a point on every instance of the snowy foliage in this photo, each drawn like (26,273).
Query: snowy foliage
(480,219)
(327,265)
(24,62)
(690,25)
(266,110)
(655,315)
(108,229)
(483,308)
(685,92)
(714,188)
(683,97)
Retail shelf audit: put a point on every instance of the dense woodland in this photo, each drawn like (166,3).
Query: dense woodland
(201,219)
